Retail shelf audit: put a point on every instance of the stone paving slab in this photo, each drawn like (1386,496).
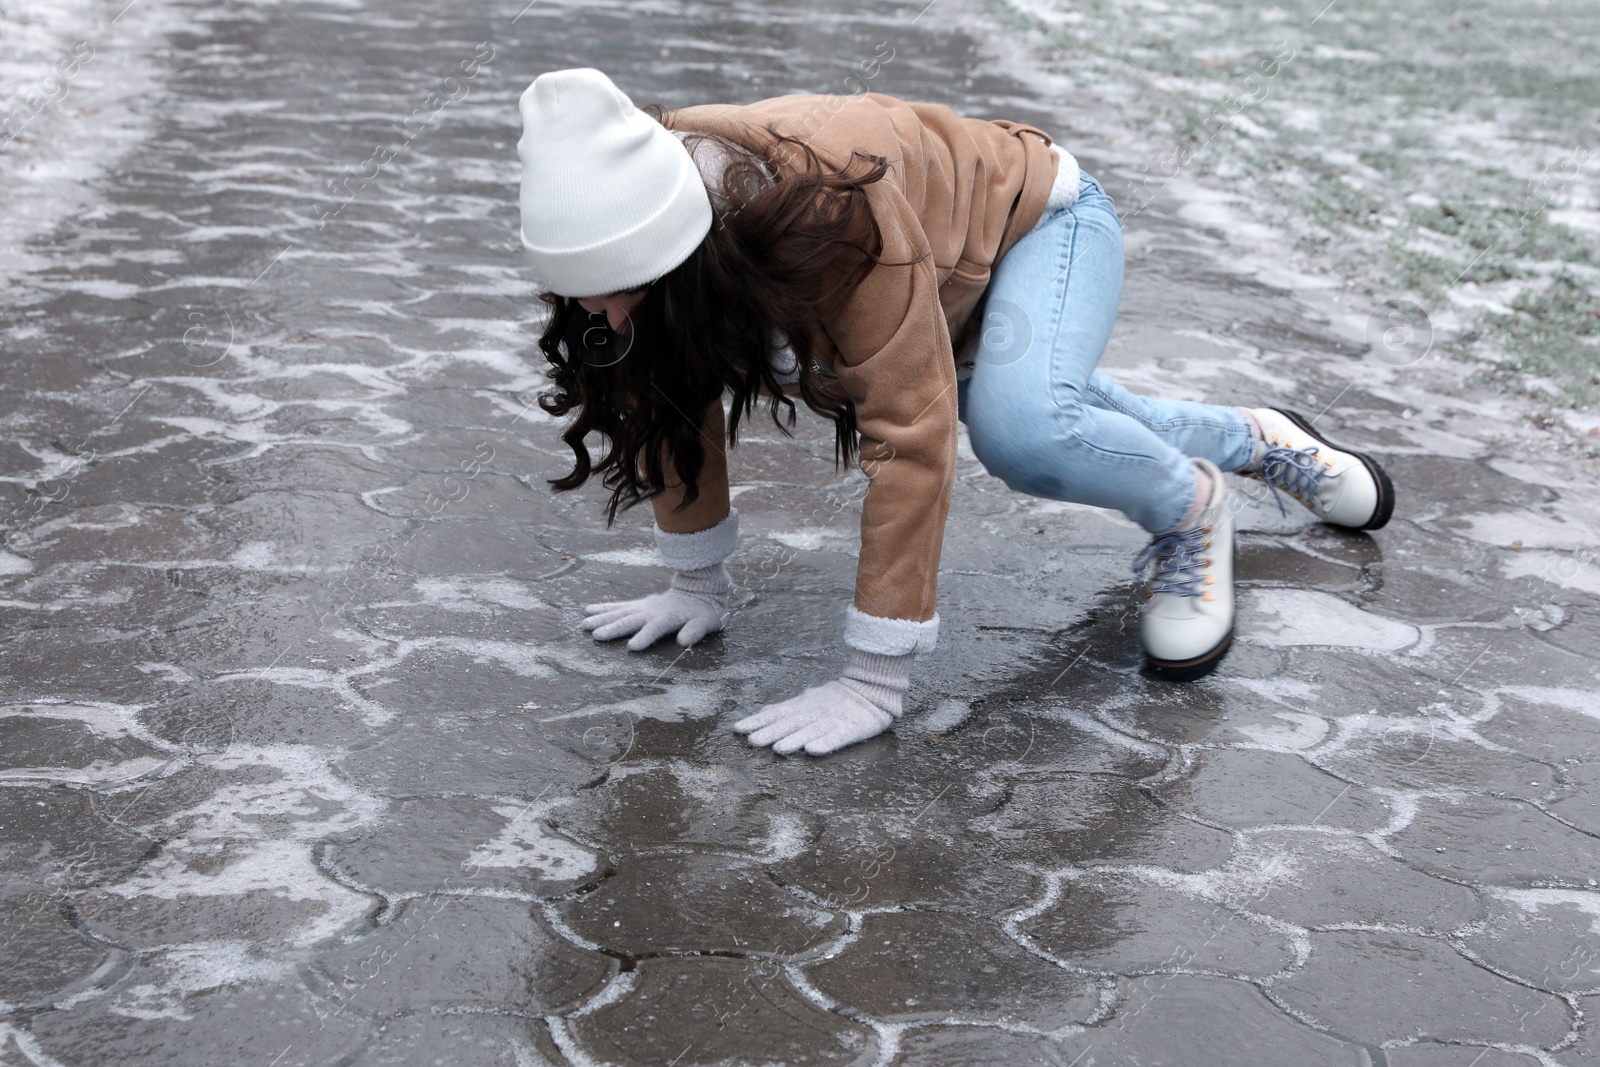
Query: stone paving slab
(304,760)
(1200,1019)
(1352,981)
(943,965)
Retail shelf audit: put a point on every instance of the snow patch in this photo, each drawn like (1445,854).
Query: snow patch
(282,791)
(787,837)
(807,540)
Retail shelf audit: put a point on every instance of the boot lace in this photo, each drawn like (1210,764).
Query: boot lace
(1177,559)
(1295,470)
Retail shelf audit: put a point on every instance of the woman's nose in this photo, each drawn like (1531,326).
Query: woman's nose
(618,318)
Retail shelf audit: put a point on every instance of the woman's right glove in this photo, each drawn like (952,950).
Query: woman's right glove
(695,605)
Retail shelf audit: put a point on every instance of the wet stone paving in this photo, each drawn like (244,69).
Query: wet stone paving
(305,760)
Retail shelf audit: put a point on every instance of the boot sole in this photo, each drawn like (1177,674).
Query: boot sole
(1385,509)
(1190,669)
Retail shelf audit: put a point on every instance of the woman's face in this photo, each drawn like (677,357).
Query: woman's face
(617,307)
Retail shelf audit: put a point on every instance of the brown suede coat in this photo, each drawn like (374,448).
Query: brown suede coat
(963,190)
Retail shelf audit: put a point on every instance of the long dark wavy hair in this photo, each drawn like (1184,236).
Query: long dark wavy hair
(781,253)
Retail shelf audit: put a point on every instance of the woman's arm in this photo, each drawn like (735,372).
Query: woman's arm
(894,360)
(694,540)
(711,506)
(896,364)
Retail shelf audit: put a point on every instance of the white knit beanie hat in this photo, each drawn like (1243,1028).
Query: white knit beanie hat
(610,199)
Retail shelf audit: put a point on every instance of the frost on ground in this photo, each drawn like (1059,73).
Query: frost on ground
(76,79)
(1439,158)
(304,758)
(44,45)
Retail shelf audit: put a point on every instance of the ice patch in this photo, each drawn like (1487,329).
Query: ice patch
(808,540)
(528,660)
(305,800)
(702,782)
(944,718)
(196,968)
(1300,732)
(1525,528)
(1533,901)
(98,773)
(1281,617)
(524,843)
(1358,55)
(1568,571)
(253,556)
(502,591)
(10,564)
(282,869)
(681,700)
(338,685)
(1291,692)
(628,557)
(102,720)
(1575,700)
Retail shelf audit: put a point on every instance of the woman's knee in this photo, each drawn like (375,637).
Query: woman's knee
(1097,214)
(1022,445)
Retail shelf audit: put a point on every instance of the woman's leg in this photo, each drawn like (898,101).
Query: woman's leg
(1221,434)
(1039,416)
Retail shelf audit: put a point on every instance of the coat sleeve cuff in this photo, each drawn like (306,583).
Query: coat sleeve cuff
(889,637)
(706,548)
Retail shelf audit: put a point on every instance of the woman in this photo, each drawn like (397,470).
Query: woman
(897,267)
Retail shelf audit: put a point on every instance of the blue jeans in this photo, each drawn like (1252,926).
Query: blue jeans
(1044,421)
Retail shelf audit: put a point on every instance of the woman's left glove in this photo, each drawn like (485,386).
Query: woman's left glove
(695,605)
(863,703)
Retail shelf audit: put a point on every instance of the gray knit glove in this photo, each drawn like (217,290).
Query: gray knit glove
(696,604)
(825,718)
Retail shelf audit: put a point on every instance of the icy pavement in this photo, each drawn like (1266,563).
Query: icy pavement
(305,761)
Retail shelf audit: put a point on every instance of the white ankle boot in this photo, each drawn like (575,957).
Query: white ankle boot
(1339,486)
(1188,619)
